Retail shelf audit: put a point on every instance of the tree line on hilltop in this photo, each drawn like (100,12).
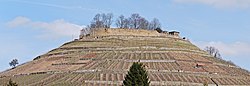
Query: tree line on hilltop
(135,21)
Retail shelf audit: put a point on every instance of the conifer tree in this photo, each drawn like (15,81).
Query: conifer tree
(137,76)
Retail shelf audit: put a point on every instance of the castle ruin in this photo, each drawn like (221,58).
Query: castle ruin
(103,32)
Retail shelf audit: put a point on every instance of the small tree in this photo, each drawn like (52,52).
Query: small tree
(154,24)
(134,21)
(11,83)
(120,21)
(109,20)
(143,23)
(102,20)
(213,51)
(13,63)
(137,76)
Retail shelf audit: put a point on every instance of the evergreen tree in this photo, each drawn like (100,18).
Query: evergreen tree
(11,83)
(137,76)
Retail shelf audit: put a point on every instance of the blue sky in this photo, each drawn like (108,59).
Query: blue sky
(29,28)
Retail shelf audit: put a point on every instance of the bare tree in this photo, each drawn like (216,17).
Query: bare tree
(134,21)
(85,31)
(92,25)
(120,22)
(143,23)
(126,23)
(109,20)
(13,63)
(154,24)
(97,21)
(138,22)
(213,51)
(102,20)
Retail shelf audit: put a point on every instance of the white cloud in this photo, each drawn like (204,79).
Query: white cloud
(54,29)
(18,21)
(220,3)
(228,49)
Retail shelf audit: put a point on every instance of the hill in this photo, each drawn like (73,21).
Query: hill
(104,56)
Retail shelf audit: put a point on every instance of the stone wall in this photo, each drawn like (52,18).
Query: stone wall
(106,32)
(123,32)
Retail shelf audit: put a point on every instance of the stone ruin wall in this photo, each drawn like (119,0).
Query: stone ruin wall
(123,32)
(103,32)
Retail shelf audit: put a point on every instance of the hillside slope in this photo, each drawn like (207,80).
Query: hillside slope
(105,61)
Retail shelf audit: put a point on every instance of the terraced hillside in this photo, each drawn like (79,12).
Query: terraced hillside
(105,60)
